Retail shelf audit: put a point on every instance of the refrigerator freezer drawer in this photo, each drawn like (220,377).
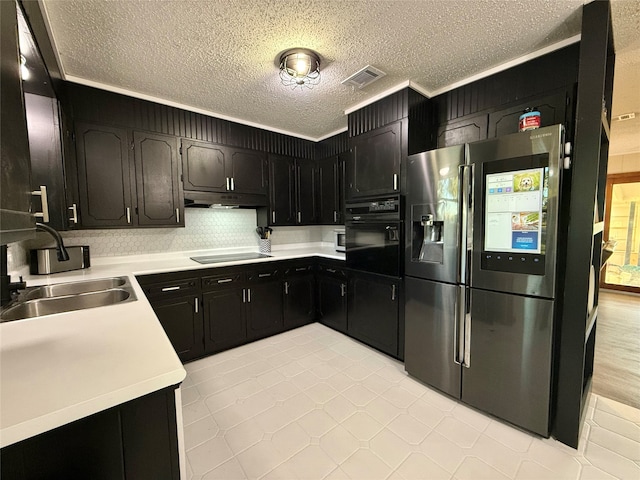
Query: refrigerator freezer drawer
(510,353)
(431,334)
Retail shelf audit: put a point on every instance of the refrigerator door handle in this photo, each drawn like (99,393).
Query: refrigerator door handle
(467,332)
(458,343)
(464,181)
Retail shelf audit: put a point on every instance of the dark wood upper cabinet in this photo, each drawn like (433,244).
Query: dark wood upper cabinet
(104,176)
(159,189)
(16,221)
(465,130)
(282,190)
(373,167)
(204,166)
(248,171)
(306,192)
(330,190)
(552,110)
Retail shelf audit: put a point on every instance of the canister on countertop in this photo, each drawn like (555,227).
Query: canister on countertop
(529,120)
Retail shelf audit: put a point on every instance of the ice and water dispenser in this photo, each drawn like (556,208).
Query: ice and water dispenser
(427,233)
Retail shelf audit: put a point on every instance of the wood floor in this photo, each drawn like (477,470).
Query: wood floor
(616,373)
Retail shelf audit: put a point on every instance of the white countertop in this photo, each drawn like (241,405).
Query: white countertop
(59,368)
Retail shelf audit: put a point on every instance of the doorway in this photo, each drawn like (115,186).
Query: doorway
(622,225)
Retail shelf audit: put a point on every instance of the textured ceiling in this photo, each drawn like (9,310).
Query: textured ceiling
(220,56)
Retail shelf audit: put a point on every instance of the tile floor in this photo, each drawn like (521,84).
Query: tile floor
(314,404)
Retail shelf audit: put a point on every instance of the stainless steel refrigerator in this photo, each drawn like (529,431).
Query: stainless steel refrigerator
(480,272)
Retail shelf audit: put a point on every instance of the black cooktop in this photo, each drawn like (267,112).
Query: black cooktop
(231,257)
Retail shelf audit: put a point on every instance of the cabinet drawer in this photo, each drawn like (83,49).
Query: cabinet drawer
(264,274)
(223,280)
(298,269)
(332,270)
(171,288)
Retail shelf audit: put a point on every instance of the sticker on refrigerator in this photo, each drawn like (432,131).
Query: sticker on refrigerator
(513,211)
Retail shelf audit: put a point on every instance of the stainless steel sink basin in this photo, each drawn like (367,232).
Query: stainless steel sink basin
(67,297)
(73,288)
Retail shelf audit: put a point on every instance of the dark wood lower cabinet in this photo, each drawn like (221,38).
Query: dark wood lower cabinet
(332,302)
(135,440)
(264,309)
(181,319)
(225,323)
(373,311)
(299,297)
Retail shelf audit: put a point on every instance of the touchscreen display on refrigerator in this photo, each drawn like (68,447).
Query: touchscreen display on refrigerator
(513,211)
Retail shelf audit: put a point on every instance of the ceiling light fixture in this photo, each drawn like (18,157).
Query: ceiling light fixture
(300,67)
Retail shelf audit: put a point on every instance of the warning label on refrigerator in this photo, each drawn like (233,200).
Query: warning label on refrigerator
(513,211)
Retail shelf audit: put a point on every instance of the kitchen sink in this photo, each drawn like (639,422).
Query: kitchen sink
(67,297)
(72,288)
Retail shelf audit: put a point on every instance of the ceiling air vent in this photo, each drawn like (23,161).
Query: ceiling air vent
(364,77)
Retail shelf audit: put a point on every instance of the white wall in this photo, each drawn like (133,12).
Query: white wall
(624,163)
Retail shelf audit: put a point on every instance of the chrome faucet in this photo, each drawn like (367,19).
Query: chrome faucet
(63,255)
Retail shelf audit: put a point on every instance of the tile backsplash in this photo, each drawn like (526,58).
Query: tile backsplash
(204,229)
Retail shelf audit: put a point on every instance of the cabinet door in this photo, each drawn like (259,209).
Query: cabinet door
(158,183)
(104,176)
(299,300)
(306,192)
(16,221)
(373,309)
(248,171)
(373,167)
(329,211)
(552,110)
(264,309)
(204,166)
(332,302)
(45,149)
(181,319)
(464,130)
(282,183)
(224,319)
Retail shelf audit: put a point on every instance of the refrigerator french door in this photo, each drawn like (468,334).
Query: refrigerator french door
(480,257)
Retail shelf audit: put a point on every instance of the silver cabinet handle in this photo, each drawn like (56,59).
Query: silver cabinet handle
(233,186)
(393,292)
(244,295)
(301,269)
(228,184)
(248,295)
(74,213)
(343,289)
(225,280)
(273,216)
(170,289)
(195,305)
(331,270)
(128,214)
(42,193)
(395,181)
(299,217)
(262,275)
(286,288)
(335,216)
(177,215)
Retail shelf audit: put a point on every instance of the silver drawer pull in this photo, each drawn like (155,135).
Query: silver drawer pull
(225,280)
(261,275)
(301,269)
(196,304)
(170,289)
(128,214)
(331,270)
(286,288)
(177,215)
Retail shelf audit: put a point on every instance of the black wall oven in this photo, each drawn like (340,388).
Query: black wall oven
(374,235)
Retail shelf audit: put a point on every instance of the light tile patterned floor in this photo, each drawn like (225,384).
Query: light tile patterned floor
(314,404)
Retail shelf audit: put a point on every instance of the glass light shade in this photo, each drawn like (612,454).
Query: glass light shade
(300,67)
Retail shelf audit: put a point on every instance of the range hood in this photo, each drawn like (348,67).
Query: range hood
(226,199)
